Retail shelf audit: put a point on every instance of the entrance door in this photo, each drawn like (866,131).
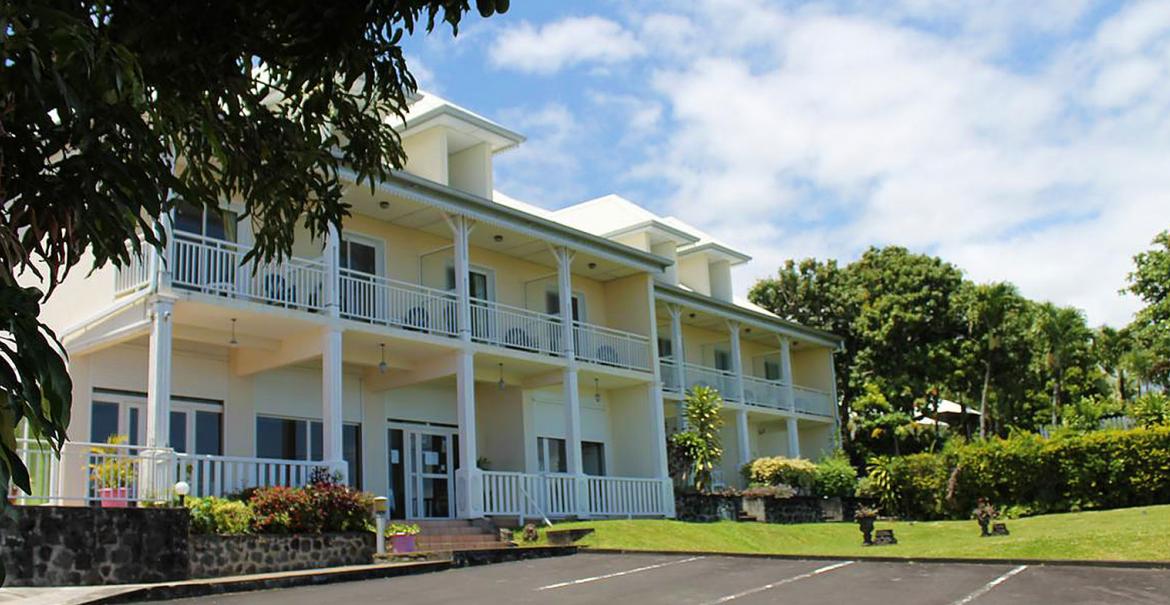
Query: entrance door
(422,472)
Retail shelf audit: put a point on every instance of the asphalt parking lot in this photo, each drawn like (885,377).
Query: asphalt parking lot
(648,579)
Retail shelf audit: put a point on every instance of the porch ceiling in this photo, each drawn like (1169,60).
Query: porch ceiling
(718,323)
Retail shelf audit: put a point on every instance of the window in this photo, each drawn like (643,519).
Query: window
(723,360)
(198,422)
(303,439)
(214,223)
(550,452)
(552,304)
(358,256)
(665,348)
(593,458)
(772,370)
(479,281)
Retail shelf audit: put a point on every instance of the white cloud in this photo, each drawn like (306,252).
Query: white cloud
(551,150)
(838,131)
(564,43)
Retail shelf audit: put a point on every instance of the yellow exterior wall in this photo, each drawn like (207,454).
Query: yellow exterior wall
(426,154)
(811,368)
(470,170)
(693,273)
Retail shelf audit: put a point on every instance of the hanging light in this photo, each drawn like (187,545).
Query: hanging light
(501,384)
(382,367)
(596,391)
(233,342)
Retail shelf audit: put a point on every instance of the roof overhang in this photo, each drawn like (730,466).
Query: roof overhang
(454,201)
(458,119)
(745,316)
(659,232)
(717,251)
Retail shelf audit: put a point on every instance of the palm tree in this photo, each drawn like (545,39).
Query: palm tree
(986,313)
(1110,347)
(1059,331)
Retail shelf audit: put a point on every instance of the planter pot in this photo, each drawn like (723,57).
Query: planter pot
(114,497)
(402,543)
(866,524)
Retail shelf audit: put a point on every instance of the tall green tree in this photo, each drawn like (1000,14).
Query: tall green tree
(1150,281)
(989,309)
(1061,333)
(1110,347)
(109,110)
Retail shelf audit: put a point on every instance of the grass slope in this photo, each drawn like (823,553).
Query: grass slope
(1133,534)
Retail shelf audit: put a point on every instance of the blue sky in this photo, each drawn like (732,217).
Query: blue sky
(1027,142)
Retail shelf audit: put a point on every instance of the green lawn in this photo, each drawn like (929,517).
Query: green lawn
(1125,535)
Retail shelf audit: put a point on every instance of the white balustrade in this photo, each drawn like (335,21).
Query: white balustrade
(515,328)
(379,300)
(223,475)
(625,497)
(668,372)
(720,380)
(813,401)
(217,267)
(555,495)
(135,275)
(765,393)
(611,347)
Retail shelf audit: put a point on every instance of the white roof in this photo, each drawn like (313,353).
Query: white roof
(603,215)
(504,199)
(427,106)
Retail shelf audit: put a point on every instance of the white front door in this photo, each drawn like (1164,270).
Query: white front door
(427,479)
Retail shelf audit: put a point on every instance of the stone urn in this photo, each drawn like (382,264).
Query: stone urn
(866,526)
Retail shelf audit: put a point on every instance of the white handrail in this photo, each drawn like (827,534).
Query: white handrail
(211,475)
(609,346)
(381,300)
(515,328)
(763,392)
(813,401)
(217,267)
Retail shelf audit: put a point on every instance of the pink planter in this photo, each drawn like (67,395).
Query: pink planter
(114,497)
(402,543)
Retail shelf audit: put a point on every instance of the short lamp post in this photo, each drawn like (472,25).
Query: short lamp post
(381,506)
(181,490)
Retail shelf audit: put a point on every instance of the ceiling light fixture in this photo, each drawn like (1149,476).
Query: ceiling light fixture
(383,205)
(233,342)
(382,365)
(592,265)
(498,238)
(501,384)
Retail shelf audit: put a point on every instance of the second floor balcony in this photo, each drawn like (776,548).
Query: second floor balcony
(217,268)
(757,392)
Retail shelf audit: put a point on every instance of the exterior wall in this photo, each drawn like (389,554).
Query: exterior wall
(813,367)
(629,304)
(81,296)
(76,546)
(817,440)
(471,170)
(426,154)
(217,556)
(499,419)
(719,274)
(632,424)
(693,273)
(548,420)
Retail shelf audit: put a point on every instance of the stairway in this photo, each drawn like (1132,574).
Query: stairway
(449,535)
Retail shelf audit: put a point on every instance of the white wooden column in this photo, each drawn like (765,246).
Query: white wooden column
(741,432)
(786,373)
(461,228)
(572,392)
(332,285)
(793,439)
(331,397)
(736,360)
(158,375)
(468,489)
(161,260)
(676,346)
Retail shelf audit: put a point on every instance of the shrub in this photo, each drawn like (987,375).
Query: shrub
(1151,410)
(835,477)
(340,507)
(796,472)
(213,515)
(284,510)
(403,529)
(920,483)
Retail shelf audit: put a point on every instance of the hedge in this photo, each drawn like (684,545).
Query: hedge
(1030,474)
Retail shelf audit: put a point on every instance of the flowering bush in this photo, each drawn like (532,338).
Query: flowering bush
(284,510)
(213,515)
(340,507)
(795,472)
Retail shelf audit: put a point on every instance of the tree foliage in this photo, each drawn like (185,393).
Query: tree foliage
(698,449)
(1150,281)
(111,110)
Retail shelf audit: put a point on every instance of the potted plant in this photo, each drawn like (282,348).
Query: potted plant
(112,475)
(402,536)
(984,513)
(865,517)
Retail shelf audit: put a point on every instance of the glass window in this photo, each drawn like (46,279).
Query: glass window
(282,438)
(772,370)
(216,223)
(103,422)
(665,348)
(478,283)
(351,451)
(358,256)
(552,303)
(722,360)
(208,433)
(316,441)
(593,458)
(133,415)
(551,454)
(179,431)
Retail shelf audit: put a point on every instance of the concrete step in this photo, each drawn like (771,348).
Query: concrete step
(447,547)
(453,531)
(426,542)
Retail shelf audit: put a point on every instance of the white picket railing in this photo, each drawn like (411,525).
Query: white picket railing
(135,275)
(813,401)
(557,495)
(223,475)
(765,393)
(515,328)
(217,267)
(607,346)
(668,373)
(399,304)
(625,497)
(720,380)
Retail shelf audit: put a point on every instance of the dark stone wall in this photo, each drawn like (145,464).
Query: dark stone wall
(213,556)
(705,508)
(797,509)
(74,546)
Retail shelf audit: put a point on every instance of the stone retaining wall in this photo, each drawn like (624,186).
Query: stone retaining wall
(75,546)
(691,506)
(213,556)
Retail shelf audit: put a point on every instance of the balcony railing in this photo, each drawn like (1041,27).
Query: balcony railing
(813,401)
(611,347)
(558,495)
(216,267)
(765,393)
(720,380)
(222,475)
(134,276)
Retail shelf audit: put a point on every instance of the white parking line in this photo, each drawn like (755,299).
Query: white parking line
(986,588)
(616,574)
(815,572)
